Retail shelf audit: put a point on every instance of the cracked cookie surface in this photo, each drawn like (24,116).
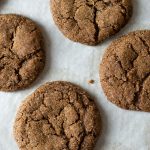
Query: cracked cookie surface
(57,116)
(90,21)
(21,52)
(125,71)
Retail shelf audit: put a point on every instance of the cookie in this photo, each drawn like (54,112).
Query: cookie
(90,21)
(21,52)
(57,116)
(125,71)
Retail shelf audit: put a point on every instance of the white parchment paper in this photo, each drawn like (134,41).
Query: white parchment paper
(66,60)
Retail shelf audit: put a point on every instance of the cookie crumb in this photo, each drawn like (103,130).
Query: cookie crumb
(91,81)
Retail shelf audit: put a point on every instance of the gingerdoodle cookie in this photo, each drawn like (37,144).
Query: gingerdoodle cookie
(21,52)
(90,21)
(125,71)
(57,116)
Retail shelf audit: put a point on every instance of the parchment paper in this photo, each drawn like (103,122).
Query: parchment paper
(66,60)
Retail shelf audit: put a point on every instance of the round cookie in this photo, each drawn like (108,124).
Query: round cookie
(125,71)
(57,116)
(90,21)
(21,52)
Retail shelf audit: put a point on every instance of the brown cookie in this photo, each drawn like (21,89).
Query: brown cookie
(57,116)
(21,52)
(125,71)
(90,21)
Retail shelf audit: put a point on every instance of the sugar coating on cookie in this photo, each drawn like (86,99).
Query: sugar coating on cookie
(125,71)
(21,52)
(90,21)
(57,116)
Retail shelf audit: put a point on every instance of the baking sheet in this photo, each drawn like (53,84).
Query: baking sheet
(66,60)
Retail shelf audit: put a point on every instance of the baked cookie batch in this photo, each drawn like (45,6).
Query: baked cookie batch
(60,115)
